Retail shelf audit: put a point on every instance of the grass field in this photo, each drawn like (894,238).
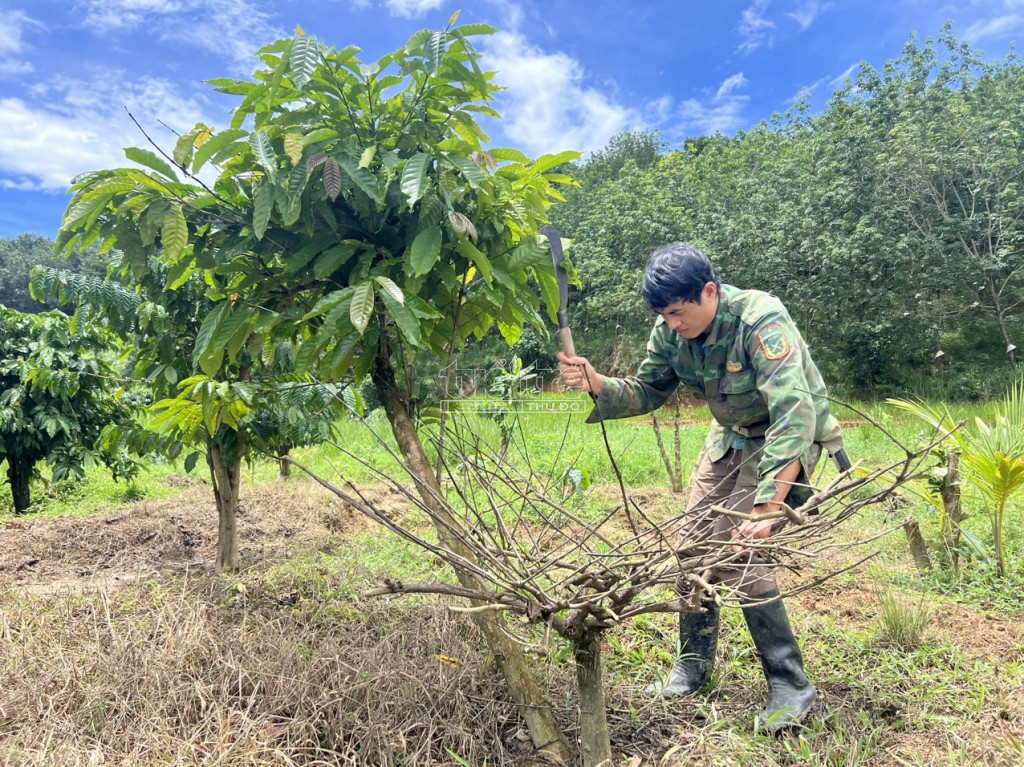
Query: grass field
(118,645)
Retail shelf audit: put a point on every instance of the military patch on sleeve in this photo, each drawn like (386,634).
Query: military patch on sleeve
(773,341)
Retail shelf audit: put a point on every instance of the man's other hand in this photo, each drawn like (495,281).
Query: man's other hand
(579,375)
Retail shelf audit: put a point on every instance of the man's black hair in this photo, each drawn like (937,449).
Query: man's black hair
(677,272)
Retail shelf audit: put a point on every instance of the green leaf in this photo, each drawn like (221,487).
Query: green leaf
(80,212)
(216,143)
(391,289)
(303,60)
(510,332)
(292,200)
(532,251)
(191,460)
(425,251)
(202,354)
(180,273)
(241,335)
(260,143)
(174,234)
(414,177)
(469,129)
(150,160)
(296,262)
(512,155)
(328,302)
(263,205)
(407,322)
(549,161)
(366,158)
(341,358)
(474,29)
(364,362)
(467,250)
(329,261)
(362,307)
(549,290)
(470,170)
(184,147)
(434,51)
(319,135)
(362,178)
(226,328)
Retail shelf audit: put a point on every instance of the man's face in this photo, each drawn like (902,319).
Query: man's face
(691,320)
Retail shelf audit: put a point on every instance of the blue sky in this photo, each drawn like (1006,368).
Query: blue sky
(577,71)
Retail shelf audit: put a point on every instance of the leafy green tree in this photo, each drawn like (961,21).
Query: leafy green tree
(299,413)
(356,215)
(955,162)
(253,404)
(19,255)
(57,388)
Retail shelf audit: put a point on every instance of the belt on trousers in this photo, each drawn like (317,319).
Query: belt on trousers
(754,430)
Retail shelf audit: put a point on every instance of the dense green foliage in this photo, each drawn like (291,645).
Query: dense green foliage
(56,398)
(891,224)
(19,255)
(359,209)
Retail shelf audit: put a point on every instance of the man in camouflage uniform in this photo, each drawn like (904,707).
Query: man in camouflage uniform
(740,351)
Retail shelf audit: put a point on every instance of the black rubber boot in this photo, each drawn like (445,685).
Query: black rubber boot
(790,695)
(698,639)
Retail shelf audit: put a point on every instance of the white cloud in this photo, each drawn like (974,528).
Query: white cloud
(723,114)
(109,15)
(234,29)
(754,28)
(807,12)
(806,91)
(546,106)
(410,9)
(732,83)
(840,80)
(512,15)
(73,126)
(999,27)
(12,27)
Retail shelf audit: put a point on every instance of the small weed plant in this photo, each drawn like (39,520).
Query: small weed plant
(903,620)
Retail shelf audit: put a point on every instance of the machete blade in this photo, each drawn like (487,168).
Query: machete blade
(558,256)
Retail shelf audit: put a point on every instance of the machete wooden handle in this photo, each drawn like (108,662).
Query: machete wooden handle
(565,336)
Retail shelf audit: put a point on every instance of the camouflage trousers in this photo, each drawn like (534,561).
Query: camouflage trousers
(731,483)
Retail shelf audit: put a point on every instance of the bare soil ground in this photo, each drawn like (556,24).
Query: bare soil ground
(123,648)
(169,537)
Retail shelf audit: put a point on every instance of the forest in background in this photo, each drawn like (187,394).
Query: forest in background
(891,224)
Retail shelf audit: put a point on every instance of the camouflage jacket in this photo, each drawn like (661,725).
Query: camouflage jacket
(756,374)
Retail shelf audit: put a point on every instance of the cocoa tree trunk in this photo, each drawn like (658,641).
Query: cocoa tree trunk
(595,742)
(226,473)
(284,466)
(19,474)
(540,721)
